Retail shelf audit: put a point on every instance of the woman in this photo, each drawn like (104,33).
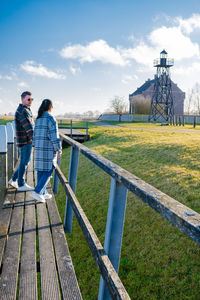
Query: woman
(47,148)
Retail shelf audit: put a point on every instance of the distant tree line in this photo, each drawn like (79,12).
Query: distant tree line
(192,101)
(85,115)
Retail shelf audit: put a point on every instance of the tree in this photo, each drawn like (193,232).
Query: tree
(192,102)
(118,105)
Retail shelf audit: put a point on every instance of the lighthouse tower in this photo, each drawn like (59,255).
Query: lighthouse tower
(162,99)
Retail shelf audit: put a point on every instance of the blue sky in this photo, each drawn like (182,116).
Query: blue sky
(81,54)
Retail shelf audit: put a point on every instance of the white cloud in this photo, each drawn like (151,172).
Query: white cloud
(176,43)
(127,78)
(6,77)
(190,24)
(95,51)
(74,70)
(39,70)
(174,39)
(96,89)
(23,84)
(194,68)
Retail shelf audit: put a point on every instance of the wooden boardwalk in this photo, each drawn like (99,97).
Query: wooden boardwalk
(75,134)
(35,262)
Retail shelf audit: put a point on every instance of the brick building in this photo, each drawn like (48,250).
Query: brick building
(146,90)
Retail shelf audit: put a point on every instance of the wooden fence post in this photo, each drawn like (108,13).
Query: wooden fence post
(179,120)
(56,179)
(3,163)
(71,128)
(10,141)
(176,120)
(114,230)
(73,170)
(183,120)
(87,129)
(194,122)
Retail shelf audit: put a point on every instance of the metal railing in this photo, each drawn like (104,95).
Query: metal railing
(64,125)
(108,258)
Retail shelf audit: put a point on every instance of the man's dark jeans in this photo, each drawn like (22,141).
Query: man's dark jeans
(25,157)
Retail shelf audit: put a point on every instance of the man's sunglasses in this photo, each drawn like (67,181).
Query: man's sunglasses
(30,99)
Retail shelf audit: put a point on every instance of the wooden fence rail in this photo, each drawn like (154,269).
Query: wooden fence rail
(181,120)
(181,216)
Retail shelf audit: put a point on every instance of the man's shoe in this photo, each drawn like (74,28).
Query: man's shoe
(47,196)
(38,197)
(25,188)
(13,183)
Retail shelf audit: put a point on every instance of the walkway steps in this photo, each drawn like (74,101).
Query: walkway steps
(35,262)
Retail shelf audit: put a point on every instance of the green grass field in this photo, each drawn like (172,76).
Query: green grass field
(5,120)
(157,260)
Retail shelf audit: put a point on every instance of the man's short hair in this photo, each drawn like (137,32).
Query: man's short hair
(24,94)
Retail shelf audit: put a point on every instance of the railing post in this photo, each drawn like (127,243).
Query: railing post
(176,120)
(173,119)
(87,129)
(10,141)
(73,170)
(15,144)
(179,120)
(114,230)
(71,128)
(56,179)
(3,163)
(194,122)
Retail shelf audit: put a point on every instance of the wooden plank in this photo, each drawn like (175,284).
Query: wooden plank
(49,278)
(9,276)
(28,270)
(68,281)
(111,278)
(5,215)
(181,216)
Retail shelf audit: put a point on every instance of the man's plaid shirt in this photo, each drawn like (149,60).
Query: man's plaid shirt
(24,125)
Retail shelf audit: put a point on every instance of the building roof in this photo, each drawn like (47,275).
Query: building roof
(147,84)
(143,87)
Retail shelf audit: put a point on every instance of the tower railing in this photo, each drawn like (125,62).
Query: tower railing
(169,62)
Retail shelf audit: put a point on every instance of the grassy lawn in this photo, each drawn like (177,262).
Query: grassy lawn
(4,120)
(157,260)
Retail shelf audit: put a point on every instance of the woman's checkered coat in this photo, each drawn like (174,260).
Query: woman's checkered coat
(47,142)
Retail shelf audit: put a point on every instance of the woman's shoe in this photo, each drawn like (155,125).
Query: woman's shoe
(38,197)
(47,196)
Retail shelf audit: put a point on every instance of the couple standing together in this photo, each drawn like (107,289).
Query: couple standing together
(44,137)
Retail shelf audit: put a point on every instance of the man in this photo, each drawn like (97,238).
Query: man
(24,136)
